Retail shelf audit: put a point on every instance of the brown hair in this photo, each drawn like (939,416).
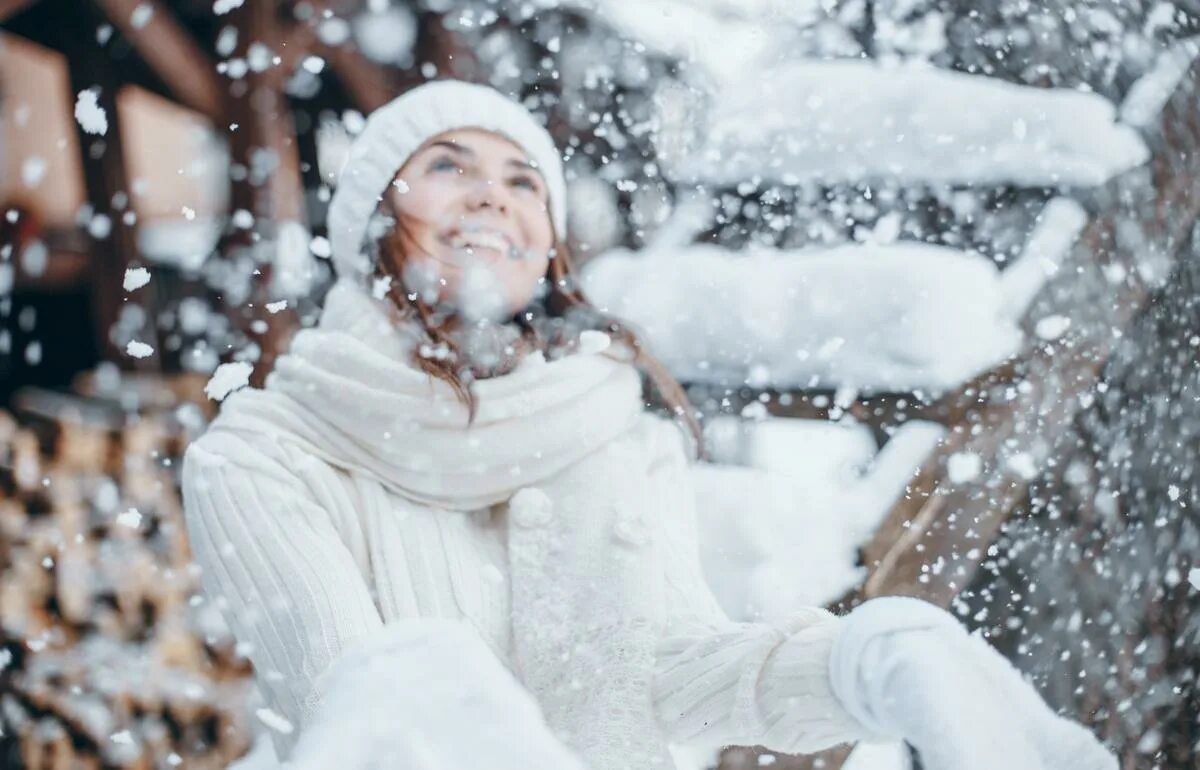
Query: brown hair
(563,298)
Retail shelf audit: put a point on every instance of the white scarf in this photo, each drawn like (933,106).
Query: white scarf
(547,438)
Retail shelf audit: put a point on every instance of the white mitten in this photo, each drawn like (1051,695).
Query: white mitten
(908,670)
(424,695)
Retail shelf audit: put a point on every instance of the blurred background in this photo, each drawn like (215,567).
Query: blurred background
(930,268)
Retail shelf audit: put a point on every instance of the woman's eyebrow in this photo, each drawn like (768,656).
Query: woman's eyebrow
(523,165)
(458,148)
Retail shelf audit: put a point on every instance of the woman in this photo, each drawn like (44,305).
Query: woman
(463,438)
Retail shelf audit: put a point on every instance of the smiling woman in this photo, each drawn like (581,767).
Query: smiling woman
(468,442)
(474,229)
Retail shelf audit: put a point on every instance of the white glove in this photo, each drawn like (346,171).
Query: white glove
(908,670)
(424,695)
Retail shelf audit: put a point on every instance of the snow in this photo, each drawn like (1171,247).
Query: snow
(274,720)
(89,114)
(228,378)
(178,242)
(293,266)
(33,171)
(726,40)
(962,467)
(1052,327)
(1194,577)
(141,15)
(781,530)
(847,121)
(136,278)
(386,36)
(897,317)
(222,7)
(1057,229)
(139,349)
(1150,93)
(275,307)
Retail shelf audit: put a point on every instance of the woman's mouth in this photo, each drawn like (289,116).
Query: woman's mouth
(482,238)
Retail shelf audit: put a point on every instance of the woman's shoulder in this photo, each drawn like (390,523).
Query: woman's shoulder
(664,440)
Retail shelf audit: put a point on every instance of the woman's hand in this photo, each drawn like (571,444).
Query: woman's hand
(907,670)
(425,695)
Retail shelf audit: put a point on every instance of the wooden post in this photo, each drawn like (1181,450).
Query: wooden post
(263,146)
(170,51)
(114,246)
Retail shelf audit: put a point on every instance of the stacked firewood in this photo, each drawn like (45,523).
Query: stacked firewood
(109,657)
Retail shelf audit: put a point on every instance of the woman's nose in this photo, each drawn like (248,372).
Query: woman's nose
(486,194)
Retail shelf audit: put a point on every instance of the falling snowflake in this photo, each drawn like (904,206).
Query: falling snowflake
(222,7)
(228,378)
(963,467)
(275,307)
(274,720)
(139,349)
(89,114)
(136,278)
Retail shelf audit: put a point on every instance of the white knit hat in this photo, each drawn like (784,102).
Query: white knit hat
(394,131)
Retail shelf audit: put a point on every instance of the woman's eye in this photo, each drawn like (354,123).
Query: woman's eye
(444,164)
(526,182)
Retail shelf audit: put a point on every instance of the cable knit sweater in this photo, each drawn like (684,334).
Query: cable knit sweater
(305,559)
(308,555)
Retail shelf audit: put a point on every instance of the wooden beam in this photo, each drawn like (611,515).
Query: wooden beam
(169,50)
(115,247)
(10,8)
(265,130)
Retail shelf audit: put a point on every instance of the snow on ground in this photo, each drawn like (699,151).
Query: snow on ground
(781,530)
(894,317)
(848,120)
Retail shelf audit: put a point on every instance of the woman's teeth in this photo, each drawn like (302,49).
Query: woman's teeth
(481,239)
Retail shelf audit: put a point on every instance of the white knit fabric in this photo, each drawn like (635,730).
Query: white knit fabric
(397,129)
(907,669)
(310,547)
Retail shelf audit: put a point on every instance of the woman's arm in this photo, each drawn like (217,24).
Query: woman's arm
(723,683)
(273,561)
(892,669)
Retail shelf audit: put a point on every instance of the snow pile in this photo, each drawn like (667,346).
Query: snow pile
(728,41)
(1153,90)
(782,531)
(898,317)
(846,121)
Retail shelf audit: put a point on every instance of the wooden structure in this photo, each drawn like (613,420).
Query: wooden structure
(935,540)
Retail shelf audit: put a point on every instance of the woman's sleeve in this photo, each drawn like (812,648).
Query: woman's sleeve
(720,683)
(272,559)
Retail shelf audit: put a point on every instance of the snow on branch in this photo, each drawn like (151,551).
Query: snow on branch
(847,121)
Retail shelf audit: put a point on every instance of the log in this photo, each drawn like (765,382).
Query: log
(170,51)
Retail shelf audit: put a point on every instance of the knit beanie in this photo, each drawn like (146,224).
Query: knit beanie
(395,131)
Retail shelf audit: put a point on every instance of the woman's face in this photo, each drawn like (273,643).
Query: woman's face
(475,225)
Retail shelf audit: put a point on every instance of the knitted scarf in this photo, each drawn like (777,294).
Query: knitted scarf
(548,439)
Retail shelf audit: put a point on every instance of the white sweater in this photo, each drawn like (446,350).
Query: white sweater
(305,559)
